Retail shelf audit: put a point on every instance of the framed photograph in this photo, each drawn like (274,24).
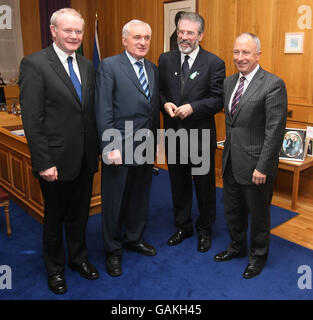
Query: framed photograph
(294,42)
(171,9)
(310,148)
(293,147)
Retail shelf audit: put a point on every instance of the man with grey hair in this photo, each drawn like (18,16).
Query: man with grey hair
(255,103)
(191,83)
(127,94)
(57,102)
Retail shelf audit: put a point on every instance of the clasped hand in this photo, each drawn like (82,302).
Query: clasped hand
(180,112)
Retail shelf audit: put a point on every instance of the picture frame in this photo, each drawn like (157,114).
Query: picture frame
(310,148)
(294,145)
(294,42)
(170,11)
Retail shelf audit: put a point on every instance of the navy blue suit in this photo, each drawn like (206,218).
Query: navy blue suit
(203,90)
(125,188)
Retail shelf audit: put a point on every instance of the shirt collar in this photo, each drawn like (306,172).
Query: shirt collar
(63,55)
(192,55)
(132,59)
(250,75)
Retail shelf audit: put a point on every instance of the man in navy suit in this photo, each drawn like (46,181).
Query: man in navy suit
(60,127)
(191,93)
(127,105)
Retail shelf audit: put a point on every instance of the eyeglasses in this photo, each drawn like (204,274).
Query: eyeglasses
(69,32)
(189,34)
(244,53)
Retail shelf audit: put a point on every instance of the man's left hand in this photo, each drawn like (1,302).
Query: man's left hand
(258,177)
(183,111)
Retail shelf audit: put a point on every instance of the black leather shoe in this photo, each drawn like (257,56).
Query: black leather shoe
(86,270)
(113,265)
(56,283)
(253,269)
(204,242)
(227,255)
(141,247)
(179,237)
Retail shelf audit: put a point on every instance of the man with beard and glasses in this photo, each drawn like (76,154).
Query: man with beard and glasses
(191,93)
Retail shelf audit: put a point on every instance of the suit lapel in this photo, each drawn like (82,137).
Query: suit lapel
(128,69)
(229,90)
(57,66)
(253,86)
(150,75)
(83,76)
(175,72)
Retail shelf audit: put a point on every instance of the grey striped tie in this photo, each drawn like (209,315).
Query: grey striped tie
(143,80)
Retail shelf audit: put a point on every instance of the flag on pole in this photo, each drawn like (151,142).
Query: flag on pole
(80,50)
(96,48)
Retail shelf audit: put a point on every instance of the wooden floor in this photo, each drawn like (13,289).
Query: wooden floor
(299,229)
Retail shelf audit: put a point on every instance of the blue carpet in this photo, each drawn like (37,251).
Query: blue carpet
(175,273)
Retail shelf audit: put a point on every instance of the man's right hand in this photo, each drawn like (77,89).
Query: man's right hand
(50,174)
(114,157)
(170,108)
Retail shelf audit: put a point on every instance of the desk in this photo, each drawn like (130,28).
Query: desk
(296,167)
(16,171)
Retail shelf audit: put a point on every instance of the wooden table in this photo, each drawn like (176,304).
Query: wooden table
(296,167)
(16,171)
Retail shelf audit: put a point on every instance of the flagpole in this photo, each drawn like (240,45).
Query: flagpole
(96,48)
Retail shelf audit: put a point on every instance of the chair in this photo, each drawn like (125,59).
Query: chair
(4,202)
(2,96)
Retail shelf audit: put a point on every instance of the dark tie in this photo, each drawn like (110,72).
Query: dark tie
(143,80)
(185,67)
(237,96)
(74,78)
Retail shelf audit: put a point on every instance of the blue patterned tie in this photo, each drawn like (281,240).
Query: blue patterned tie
(142,79)
(74,78)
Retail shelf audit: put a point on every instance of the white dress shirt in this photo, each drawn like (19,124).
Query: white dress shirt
(136,68)
(63,58)
(192,57)
(249,78)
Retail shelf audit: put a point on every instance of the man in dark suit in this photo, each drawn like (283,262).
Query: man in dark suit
(191,83)
(127,104)
(255,103)
(59,123)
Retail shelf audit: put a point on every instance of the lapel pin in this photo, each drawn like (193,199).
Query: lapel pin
(176,74)
(193,75)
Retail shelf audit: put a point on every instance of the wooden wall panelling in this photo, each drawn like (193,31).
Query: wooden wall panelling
(30,24)
(220,30)
(295,69)
(258,17)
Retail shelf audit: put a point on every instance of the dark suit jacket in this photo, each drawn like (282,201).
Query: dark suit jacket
(58,127)
(120,98)
(204,92)
(254,135)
